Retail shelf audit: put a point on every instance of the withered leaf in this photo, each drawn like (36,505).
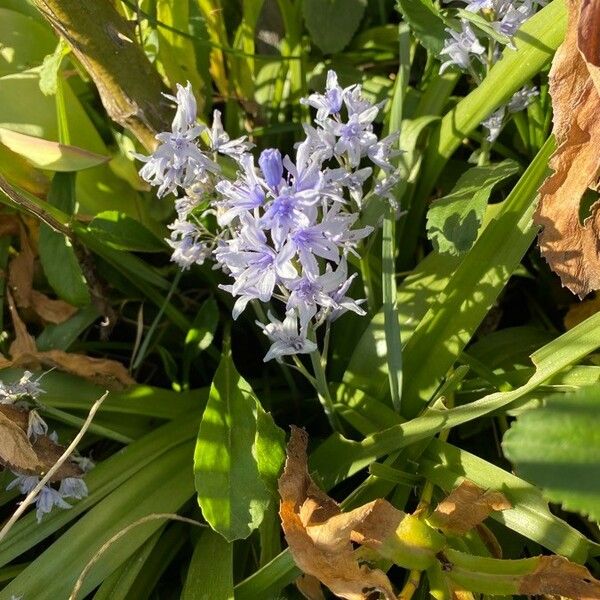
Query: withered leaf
(466,507)
(579,311)
(20,279)
(24,353)
(556,576)
(571,248)
(310,587)
(21,455)
(15,450)
(319,535)
(20,270)
(49,310)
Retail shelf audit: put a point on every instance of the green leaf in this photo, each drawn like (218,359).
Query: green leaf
(61,336)
(51,67)
(557,446)
(202,331)
(426,22)
(52,156)
(454,221)
(338,458)
(450,323)
(238,454)
(332,23)
(57,255)
(210,575)
(122,232)
(25,42)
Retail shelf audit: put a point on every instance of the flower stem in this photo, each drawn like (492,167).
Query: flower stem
(323,392)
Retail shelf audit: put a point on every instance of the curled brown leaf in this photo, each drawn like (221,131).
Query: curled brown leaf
(556,576)
(319,534)
(569,246)
(466,507)
(24,353)
(27,457)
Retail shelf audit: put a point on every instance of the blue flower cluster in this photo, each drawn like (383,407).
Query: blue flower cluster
(20,394)
(504,17)
(286,225)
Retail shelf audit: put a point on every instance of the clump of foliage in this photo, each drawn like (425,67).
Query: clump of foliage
(241,217)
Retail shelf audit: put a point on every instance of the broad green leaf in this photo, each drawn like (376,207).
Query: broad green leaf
(122,232)
(332,23)
(210,574)
(48,155)
(557,446)
(426,23)
(235,461)
(454,221)
(25,42)
(57,255)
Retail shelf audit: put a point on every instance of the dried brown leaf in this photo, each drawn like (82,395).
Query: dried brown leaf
(556,576)
(51,311)
(20,271)
(41,455)
(20,279)
(24,353)
(9,225)
(571,248)
(466,507)
(310,587)
(319,535)
(15,450)
(23,342)
(589,38)
(580,311)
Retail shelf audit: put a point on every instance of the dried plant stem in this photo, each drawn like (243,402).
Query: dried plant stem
(30,498)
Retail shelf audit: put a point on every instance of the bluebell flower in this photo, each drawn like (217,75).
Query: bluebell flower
(26,387)
(178,162)
(220,141)
(271,166)
(460,47)
(73,487)
(286,225)
(329,103)
(522,99)
(48,496)
(36,425)
(311,294)
(494,124)
(246,193)
(479,5)
(285,338)
(46,500)
(187,247)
